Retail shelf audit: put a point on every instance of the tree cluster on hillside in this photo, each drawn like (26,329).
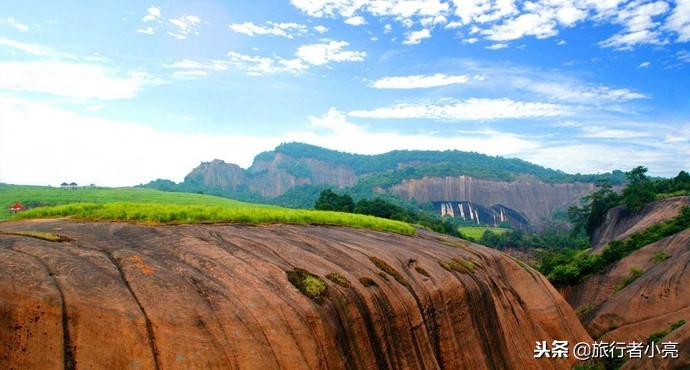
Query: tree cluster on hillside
(392,167)
(640,190)
(569,266)
(379,207)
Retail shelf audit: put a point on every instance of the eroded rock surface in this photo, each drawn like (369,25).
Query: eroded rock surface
(619,307)
(217,296)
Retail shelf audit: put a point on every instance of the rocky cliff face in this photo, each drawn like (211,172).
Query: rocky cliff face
(532,199)
(621,222)
(648,304)
(218,174)
(217,296)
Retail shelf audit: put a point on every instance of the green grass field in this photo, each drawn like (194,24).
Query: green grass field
(148,206)
(476,232)
(48,196)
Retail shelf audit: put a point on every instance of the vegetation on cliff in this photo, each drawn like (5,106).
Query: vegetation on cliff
(640,190)
(569,266)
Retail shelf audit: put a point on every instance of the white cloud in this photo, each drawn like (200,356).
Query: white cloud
(561,43)
(320,29)
(94,150)
(640,26)
(323,53)
(34,49)
(415,37)
(644,65)
(644,21)
(600,132)
(185,25)
(561,88)
(679,21)
(72,79)
(468,110)
(261,66)
(419,81)
(599,158)
(147,31)
(191,68)
(153,14)
(356,21)
(288,30)
(19,26)
(498,46)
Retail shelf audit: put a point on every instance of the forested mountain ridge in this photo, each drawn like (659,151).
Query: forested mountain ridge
(294,174)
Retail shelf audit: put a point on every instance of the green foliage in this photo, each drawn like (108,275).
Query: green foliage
(309,284)
(297,169)
(38,196)
(388,269)
(656,337)
(634,274)
(593,210)
(505,238)
(339,279)
(461,265)
(476,233)
(660,256)
(568,267)
(640,189)
(433,163)
(330,201)
(585,309)
(180,214)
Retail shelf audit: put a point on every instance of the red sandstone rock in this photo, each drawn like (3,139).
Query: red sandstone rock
(217,296)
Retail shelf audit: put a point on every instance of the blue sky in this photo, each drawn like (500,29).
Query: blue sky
(121,93)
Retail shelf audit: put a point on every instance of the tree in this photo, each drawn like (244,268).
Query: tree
(593,210)
(640,189)
(330,201)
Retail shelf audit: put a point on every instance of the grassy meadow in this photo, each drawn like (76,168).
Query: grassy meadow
(34,196)
(155,207)
(476,232)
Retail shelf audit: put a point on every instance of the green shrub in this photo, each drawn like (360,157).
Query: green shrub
(339,279)
(309,284)
(660,257)
(656,337)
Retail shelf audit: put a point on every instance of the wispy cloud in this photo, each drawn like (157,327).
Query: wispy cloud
(468,110)
(19,26)
(419,81)
(643,21)
(72,79)
(288,30)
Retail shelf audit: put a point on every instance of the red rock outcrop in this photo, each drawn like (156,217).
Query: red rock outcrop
(621,222)
(216,296)
(616,312)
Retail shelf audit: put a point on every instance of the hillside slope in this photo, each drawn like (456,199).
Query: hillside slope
(119,295)
(620,307)
(506,190)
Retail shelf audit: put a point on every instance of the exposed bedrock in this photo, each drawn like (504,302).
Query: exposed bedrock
(217,296)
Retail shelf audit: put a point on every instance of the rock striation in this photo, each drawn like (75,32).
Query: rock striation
(118,296)
(616,306)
